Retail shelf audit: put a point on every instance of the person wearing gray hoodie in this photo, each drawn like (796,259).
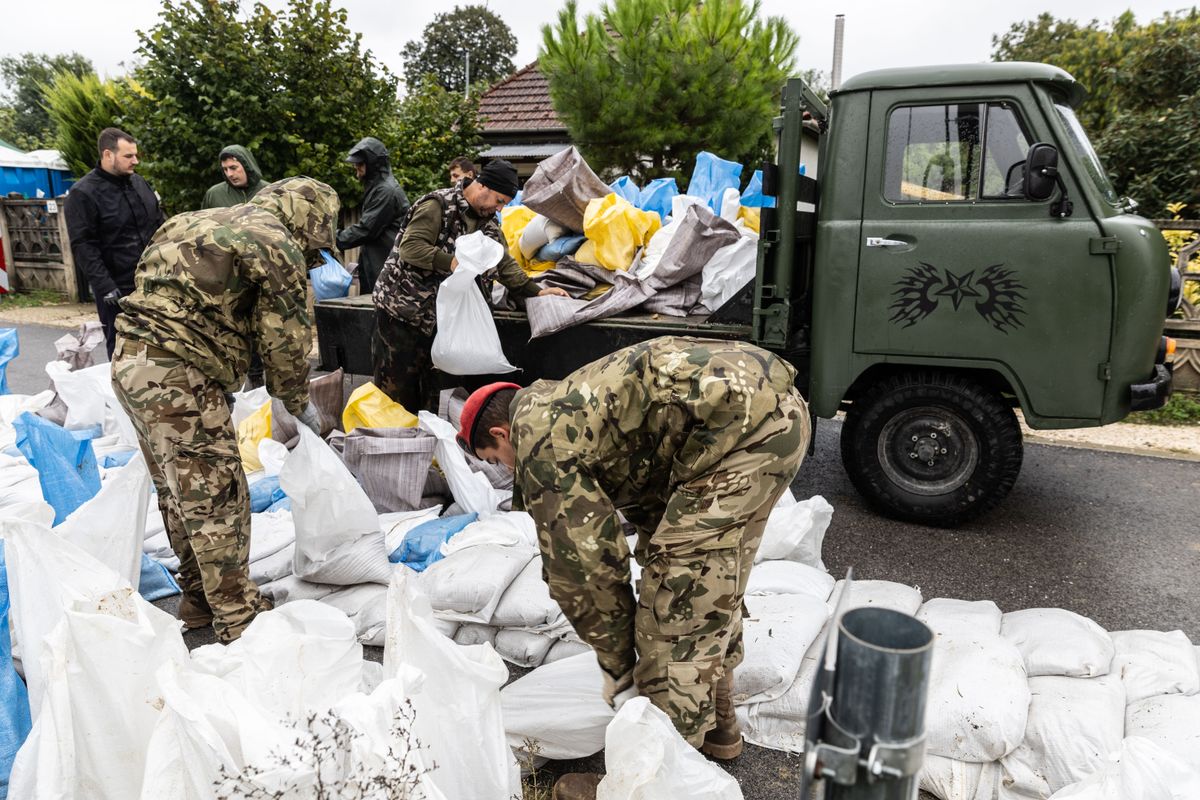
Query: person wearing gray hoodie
(242,181)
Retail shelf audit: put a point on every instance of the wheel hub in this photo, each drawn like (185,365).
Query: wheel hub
(928,451)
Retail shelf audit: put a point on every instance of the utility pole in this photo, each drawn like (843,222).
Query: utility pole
(839,31)
(467,87)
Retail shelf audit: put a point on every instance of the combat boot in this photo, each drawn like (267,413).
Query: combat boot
(194,610)
(577,786)
(724,742)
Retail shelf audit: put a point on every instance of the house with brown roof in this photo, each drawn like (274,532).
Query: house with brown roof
(519,123)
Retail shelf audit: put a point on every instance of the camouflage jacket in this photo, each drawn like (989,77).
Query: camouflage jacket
(408,290)
(212,282)
(620,434)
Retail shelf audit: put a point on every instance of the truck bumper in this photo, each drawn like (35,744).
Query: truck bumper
(1154,393)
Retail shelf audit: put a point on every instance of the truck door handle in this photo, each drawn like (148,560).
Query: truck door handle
(876,241)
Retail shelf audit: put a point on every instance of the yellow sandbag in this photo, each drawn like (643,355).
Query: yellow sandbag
(369,407)
(512,225)
(586,254)
(253,430)
(617,229)
(751,216)
(597,290)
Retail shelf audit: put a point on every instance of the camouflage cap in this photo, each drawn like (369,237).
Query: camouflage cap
(306,206)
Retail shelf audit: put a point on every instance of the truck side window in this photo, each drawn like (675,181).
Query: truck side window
(942,154)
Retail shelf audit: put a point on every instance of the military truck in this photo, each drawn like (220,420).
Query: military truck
(955,252)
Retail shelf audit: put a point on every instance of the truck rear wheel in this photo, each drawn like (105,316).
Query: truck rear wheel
(931,447)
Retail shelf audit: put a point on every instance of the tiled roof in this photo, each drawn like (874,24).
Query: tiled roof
(519,102)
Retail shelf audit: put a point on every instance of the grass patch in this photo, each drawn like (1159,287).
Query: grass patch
(1182,409)
(33,299)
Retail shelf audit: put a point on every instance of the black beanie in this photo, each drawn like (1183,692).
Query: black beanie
(499,176)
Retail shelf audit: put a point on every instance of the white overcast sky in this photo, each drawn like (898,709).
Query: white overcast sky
(879,33)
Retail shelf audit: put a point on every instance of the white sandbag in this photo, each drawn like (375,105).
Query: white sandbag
(564,649)
(366,606)
(467,585)
(271,454)
(112,525)
(880,594)
(158,547)
(507,529)
(39,512)
(274,567)
(1074,723)
(247,402)
(85,407)
(728,272)
(776,635)
(101,699)
(466,341)
(270,532)
(946,616)
(645,758)
(13,406)
(1140,771)
(526,603)
(396,524)
(559,707)
(789,577)
(796,532)
(472,490)
(779,724)
(948,779)
(446,627)
(19,483)
(291,588)
(338,539)
(459,701)
(1171,721)
(46,575)
(523,648)
(538,233)
(472,633)
(1155,662)
(978,701)
(1055,641)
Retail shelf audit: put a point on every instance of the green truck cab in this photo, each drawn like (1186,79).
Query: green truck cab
(955,251)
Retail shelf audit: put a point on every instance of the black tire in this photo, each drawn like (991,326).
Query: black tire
(892,453)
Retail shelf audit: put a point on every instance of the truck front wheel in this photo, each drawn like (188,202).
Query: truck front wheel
(931,447)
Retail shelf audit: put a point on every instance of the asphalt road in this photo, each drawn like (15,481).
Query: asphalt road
(1112,536)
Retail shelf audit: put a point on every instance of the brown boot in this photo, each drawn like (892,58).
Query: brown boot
(577,786)
(724,742)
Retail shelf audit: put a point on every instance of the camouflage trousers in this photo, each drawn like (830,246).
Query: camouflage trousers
(187,437)
(403,364)
(688,623)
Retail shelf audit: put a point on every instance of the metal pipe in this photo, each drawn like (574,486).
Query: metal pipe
(839,32)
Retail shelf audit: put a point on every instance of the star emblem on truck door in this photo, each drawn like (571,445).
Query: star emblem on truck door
(996,292)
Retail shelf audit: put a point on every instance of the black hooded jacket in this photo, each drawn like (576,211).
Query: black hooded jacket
(384,205)
(110,220)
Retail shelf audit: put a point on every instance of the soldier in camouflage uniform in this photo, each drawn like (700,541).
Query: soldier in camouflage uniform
(693,441)
(209,284)
(405,295)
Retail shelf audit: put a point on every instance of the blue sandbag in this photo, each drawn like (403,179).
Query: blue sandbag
(263,493)
(282,504)
(657,196)
(711,177)
(10,348)
(117,459)
(331,279)
(562,246)
(422,545)
(156,581)
(64,459)
(14,698)
(753,196)
(625,187)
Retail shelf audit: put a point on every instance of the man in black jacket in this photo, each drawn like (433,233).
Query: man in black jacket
(111,215)
(384,204)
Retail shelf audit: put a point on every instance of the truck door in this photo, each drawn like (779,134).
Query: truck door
(956,266)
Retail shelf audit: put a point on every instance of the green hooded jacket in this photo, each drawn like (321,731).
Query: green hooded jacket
(224,195)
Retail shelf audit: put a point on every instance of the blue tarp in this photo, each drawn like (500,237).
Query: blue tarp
(657,196)
(753,196)
(156,581)
(10,348)
(64,459)
(14,699)
(711,177)
(422,545)
(626,188)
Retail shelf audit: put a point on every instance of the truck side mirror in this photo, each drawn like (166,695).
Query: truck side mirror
(1041,172)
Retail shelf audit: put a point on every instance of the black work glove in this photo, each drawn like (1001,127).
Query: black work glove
(113,298)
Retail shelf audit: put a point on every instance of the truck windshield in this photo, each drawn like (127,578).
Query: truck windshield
(1083,148)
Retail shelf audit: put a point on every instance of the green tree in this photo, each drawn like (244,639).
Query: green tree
(26,77)
(79,107)
(645,85)
(432,127)
(442,48)
(295,87)
(1143,100)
